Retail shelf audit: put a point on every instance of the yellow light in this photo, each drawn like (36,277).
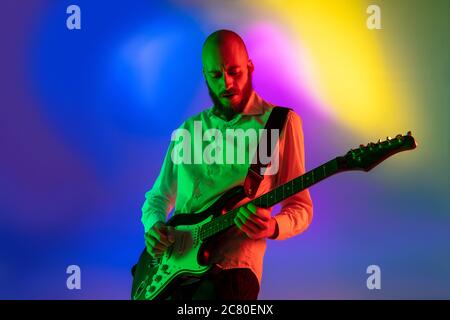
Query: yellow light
(349,71)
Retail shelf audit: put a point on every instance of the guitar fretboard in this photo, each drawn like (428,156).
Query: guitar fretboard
(273,197)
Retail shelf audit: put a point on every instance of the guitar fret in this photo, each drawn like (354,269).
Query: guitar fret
(297,186)
(316,175)
(278,194)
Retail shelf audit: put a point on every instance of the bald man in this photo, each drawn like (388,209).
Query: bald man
(227,70)
(238,253)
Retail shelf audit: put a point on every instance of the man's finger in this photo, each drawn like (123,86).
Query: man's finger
(264,214)
(254,226)
(155,255)
(238,221)
(171,234)
(259,223)
(247,216)
(246,225)
(162,237)
(244,211)
(250,233)
(182,244)
(251,207)
(154,238)
(247,219)
(153,252)
(154,243)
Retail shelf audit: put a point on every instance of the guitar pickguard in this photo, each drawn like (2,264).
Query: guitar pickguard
(180,260)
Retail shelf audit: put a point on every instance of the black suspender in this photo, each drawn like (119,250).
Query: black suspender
(276,120)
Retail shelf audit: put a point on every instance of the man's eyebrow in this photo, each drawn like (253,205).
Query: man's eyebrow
(236,66)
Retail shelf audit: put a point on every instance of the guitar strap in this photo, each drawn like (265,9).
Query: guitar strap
(254,177)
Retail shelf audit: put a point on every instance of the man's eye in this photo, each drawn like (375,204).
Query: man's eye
(216,75)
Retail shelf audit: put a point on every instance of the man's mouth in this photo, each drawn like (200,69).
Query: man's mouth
(228,95)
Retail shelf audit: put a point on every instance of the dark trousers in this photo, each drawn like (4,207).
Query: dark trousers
(228,284)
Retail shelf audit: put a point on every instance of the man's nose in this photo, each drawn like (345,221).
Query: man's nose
(228,81)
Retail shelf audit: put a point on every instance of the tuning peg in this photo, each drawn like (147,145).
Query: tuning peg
(388,138)
(379,141)
(408,133)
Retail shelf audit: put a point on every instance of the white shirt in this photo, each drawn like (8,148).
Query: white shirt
(192,188)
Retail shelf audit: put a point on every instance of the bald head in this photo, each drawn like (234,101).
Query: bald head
(227,69)
(221,41)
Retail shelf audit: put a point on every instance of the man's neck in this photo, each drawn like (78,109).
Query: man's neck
(228,113)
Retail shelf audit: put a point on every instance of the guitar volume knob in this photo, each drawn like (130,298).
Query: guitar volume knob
(157,278)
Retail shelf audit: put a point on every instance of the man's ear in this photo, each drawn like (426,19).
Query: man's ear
(250,66)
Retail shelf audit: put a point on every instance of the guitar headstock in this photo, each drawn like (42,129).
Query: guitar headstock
(367,157)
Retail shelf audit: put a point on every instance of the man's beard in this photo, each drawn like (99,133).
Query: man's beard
(246,93)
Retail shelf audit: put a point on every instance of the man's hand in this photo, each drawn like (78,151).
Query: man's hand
(255,222)
(158,239)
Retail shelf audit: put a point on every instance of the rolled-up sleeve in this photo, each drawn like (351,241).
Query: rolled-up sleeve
(297,211)
(160,199)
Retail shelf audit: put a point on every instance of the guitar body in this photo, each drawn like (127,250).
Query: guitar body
(186,259)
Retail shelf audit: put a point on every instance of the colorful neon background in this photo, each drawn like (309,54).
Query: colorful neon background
(86,117)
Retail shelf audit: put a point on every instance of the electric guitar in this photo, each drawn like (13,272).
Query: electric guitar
(154,278)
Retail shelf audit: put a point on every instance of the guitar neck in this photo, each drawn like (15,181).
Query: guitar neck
(276,195)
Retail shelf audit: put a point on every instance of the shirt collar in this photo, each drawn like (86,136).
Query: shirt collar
(255,105)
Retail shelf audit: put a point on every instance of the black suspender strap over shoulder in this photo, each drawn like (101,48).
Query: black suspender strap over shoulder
(254,177)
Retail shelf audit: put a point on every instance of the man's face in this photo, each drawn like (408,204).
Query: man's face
(227,72)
